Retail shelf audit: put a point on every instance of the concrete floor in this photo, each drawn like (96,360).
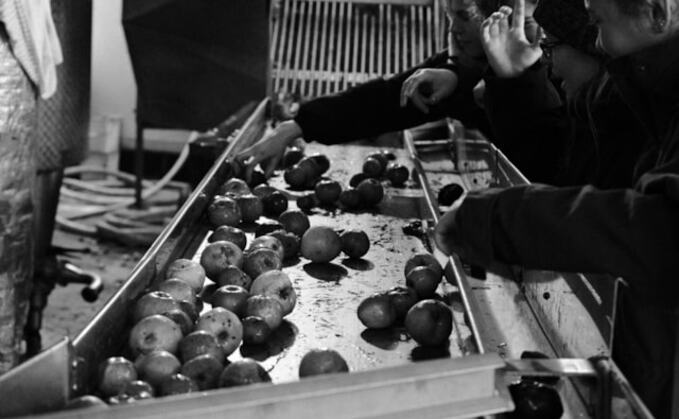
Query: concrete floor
(67,313)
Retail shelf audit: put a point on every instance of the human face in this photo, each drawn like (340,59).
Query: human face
(619,33)
(465,20)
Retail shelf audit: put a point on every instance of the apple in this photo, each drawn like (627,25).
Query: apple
(190,309)
(377,312)
(156,366)
(269,242)
(294,221)
(355,243)
(255,330)
(139,390)
(397,174)
(371,192)
(266,307)
(261,260)
(423,259)
(402,298)
(178,289)
(119,400)
(429,322)
(231,297)
(230,234)
(275,203)
(218,255)
(321,161)
(233,276)
(114,375)
(204,370)
(155,332)
(296,177)
(292,156)
(154,302)
(181,318)
(322,361)
(189,271)
(88,400)
(307,201)
(372,167)
(290,243)
(310,168)
(234,186)
(357,179)
(276,284)
(533,400)
(200,342)
(177,384)
(379,156)
(266,228)
(423,280)
(243,372)
(226,327)
(251,207)
(320,244)
(257,178)
(328,192)
(450,193)
(262,191)
(224,211)
(350,198)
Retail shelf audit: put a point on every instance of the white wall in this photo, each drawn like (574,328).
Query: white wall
(113,86)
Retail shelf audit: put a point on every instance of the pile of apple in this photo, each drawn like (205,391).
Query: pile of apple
(427,320)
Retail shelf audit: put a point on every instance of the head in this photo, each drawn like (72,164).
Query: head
(465,18)
(569,42)
(628,26)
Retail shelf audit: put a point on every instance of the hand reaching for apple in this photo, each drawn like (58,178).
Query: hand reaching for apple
(507,48)
(428,86)
(271,146)
(444,232)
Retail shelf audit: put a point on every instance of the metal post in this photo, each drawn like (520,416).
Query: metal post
(139,165)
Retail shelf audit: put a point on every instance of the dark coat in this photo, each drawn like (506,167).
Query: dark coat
(631,232)
(373,108)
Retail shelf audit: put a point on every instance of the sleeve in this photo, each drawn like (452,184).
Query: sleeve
(623,232)
(529,122)
(373,108)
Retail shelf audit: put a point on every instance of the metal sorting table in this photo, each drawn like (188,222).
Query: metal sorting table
(492,316)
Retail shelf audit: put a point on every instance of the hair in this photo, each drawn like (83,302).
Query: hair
(487,7)
(634,8)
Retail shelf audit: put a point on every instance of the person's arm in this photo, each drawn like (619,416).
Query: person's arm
(623,232)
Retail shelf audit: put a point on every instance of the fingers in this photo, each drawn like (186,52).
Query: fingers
(503,23)
(485,31)
(407,88)
(268,171)
(539,34)
(519,14)
(494,26)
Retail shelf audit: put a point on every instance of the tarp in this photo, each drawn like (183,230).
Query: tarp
(196,61)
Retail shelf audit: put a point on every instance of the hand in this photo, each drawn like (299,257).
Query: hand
(427,86)
(444,232)
(271,146)
(508,50)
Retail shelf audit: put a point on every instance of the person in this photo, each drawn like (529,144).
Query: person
(377,106)
(627,232)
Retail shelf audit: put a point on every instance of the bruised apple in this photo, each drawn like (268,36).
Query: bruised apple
(188,271)
(243,372)
(181,318)
(276,284)
(355,243)
(377,312)
(328,192)
(320,244)
(266,307)
(224,211)
(397,174)
(261,260)
(204,370)
(251,207)
(233,275)
(177,384)
(423,259)
(294,221)
(230,234)
(114,375)
(178,289)
(230,297)
(226,327)
(275,203)
(322,361)
(155,332)
(270,242)
(200,342)
(429,322)
(255,330)
(371,192)
(402,298)
(139,390)
(290,243)
(218,255)
(156,366)
(234,186)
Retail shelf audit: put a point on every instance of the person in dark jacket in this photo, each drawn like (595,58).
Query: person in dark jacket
(375,107)
(631,232)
